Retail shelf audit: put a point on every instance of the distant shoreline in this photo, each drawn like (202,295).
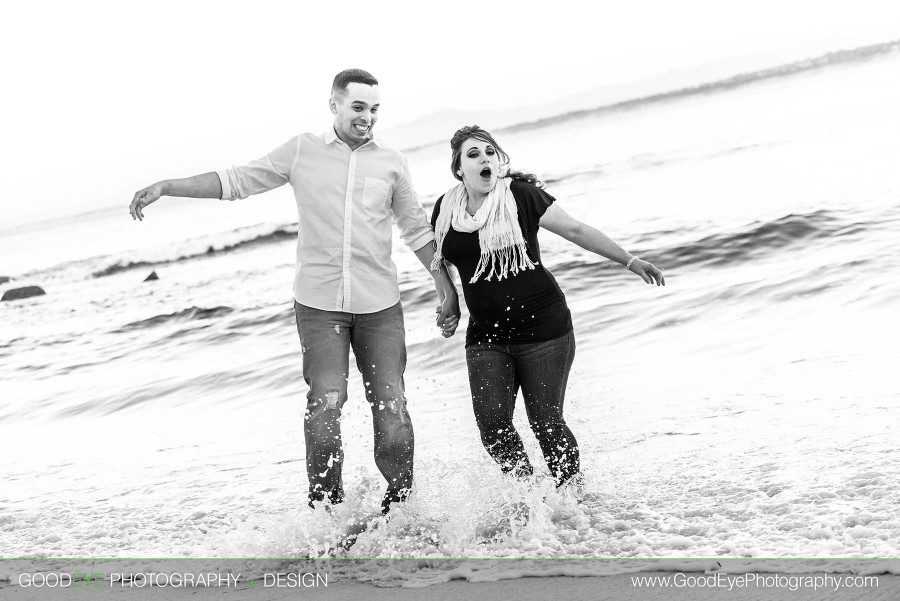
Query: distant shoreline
(829,59)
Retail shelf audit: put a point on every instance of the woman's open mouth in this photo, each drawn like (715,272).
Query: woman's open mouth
(486,173)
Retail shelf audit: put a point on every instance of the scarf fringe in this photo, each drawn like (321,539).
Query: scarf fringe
(504,263)
(503,247)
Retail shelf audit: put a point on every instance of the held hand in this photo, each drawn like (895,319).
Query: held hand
(449,325)
(648,272)
(448,314)
(142,198)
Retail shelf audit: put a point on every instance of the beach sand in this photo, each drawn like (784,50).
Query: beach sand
(619,587)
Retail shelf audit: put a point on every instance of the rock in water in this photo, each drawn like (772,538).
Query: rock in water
(4,279)
(24,292)
(151,277)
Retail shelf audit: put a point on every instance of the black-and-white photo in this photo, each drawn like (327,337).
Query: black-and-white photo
(440,301)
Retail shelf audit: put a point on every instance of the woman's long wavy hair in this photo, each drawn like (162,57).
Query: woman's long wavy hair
(473,131)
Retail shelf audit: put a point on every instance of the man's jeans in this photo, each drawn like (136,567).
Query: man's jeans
(541,369)
(378,342)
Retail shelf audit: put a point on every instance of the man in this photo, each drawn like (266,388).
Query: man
(347,186)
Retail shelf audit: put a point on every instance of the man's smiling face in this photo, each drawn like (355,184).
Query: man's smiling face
(355,113)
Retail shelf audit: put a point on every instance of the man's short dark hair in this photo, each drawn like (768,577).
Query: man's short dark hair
(348,76)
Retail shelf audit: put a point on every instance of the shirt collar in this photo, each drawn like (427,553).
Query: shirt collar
(331,137)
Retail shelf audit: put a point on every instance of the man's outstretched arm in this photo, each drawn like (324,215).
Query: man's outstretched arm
(205,185)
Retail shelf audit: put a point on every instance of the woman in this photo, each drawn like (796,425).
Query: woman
(520,329)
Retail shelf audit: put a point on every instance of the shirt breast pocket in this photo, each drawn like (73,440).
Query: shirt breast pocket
(376,193)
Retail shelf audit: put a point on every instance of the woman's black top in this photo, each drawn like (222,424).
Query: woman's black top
(528,307)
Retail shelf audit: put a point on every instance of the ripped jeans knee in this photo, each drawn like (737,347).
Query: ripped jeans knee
(318,404)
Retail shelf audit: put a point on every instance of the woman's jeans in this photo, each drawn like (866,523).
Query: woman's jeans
(541,369)
(378,342)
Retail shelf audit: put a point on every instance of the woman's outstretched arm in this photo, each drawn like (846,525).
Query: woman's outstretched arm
(556,220)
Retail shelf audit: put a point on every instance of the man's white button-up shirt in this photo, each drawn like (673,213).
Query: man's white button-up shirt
(345,201)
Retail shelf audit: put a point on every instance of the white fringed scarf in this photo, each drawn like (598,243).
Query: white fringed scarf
(497,222)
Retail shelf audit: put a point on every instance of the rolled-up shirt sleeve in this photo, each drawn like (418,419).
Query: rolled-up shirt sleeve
(264,174)
(415,231)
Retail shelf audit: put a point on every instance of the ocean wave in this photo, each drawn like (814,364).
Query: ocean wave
(723,247)
(203,247)
(732,246)
(580,273)
(759,238)
(189,314)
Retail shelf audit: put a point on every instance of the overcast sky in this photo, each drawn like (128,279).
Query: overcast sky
(102,98)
